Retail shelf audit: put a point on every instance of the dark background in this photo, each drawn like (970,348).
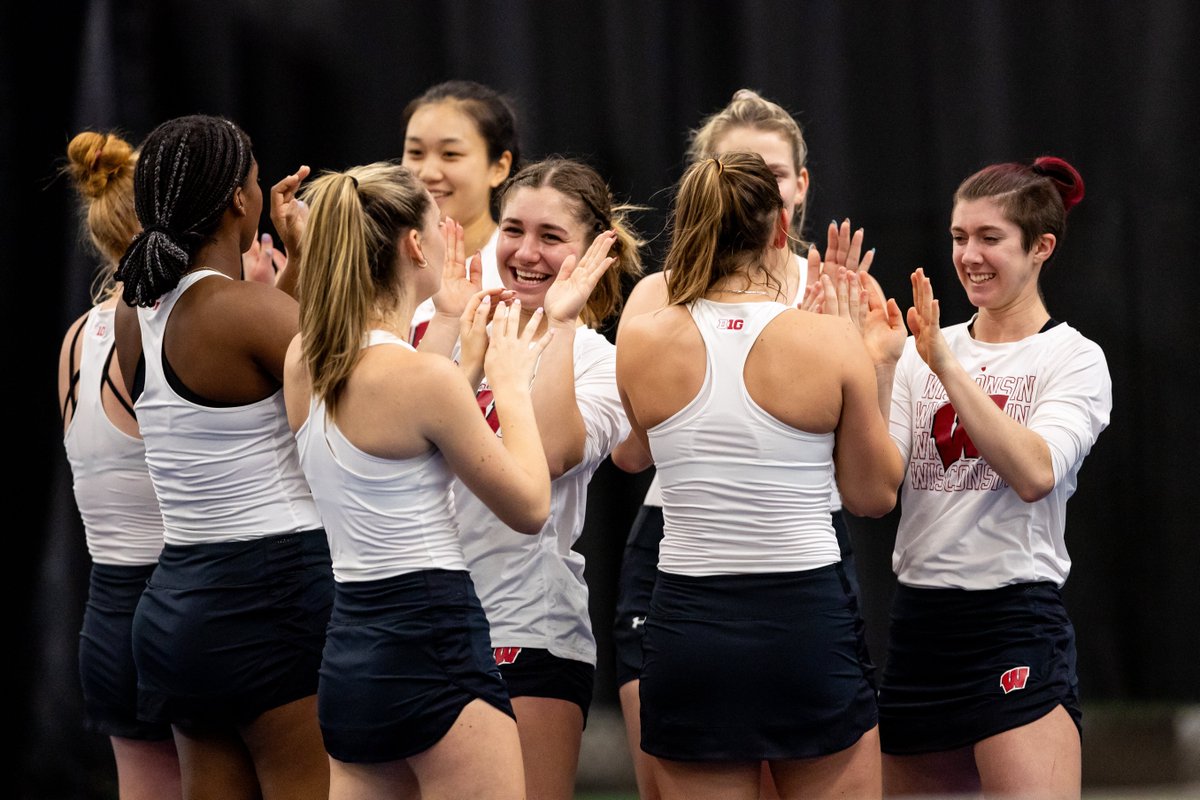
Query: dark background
(899,102)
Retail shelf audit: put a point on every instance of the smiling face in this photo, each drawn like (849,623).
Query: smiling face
(538,230)
(777,152)
(991,262)
(443,146)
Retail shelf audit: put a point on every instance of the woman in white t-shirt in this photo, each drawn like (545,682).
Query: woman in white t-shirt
(993,418)
(557,217)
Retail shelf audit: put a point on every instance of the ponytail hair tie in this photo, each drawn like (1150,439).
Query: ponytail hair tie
(158,227)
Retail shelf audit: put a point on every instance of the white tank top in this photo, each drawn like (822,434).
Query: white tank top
(384,517)
(742,491)
(116,499)
(221,473)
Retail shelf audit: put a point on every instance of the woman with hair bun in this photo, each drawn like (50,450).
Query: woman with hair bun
(753,651)
(228,633)
(993,418)
(113,492)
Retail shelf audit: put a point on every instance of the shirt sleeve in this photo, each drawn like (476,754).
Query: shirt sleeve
(599,402)
(900,421)
(1073,406)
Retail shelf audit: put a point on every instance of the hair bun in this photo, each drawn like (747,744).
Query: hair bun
(1066,179)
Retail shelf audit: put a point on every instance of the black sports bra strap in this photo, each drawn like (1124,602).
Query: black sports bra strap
(71,399)
(112,384)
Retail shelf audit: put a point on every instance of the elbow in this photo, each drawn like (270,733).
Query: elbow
(873,505)
(630,463)
(532,518)
(1035,489)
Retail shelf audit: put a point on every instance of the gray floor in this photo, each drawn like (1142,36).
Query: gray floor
(1130,752)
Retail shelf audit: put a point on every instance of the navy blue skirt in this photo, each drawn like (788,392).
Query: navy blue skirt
(403,657)
(107,673)
(966,665)
(227,631)
(754,667)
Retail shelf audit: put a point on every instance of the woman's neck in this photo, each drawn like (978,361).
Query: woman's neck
(477,233)
(220,254)
(1012,323)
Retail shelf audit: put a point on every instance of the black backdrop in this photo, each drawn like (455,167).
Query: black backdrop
(899,100)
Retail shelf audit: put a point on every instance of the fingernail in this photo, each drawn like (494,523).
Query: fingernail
(487,299)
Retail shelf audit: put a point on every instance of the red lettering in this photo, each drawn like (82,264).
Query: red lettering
(951,437)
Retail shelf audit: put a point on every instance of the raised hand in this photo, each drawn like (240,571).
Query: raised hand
(461,281)
(924,320)
(567,296)
(843,248)
(512,354)
(473,332)
(263,262)
(289,214)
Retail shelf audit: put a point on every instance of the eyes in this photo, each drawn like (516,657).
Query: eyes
(961,239)
(414,154)
(516,232)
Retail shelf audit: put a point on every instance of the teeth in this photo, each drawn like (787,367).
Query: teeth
(981,278)
(529,276)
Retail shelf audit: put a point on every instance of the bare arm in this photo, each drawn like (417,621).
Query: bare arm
(649,294)
(563,431)
(868,465)
(508,474)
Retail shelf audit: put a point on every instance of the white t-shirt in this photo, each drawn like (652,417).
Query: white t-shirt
(532,587)
(961,525)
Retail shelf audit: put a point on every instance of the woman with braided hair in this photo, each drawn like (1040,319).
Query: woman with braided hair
(228,633)
(993,418)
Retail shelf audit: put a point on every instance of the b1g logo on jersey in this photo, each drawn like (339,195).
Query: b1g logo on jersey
(1014,679)
(505,655)
(730,324)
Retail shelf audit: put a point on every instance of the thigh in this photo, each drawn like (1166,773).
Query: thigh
(1042,756)
(146,770)
(946,772)
(852,772)
(388,780)
(551,731)
(645,766)
(214,764)
(480,758)
(697,780)
(289,756)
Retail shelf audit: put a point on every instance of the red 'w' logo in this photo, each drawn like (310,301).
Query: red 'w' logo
(951,438)
(730,324)
(1014,679)
(505,655)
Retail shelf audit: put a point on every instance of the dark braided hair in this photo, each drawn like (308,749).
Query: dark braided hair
(186,175)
